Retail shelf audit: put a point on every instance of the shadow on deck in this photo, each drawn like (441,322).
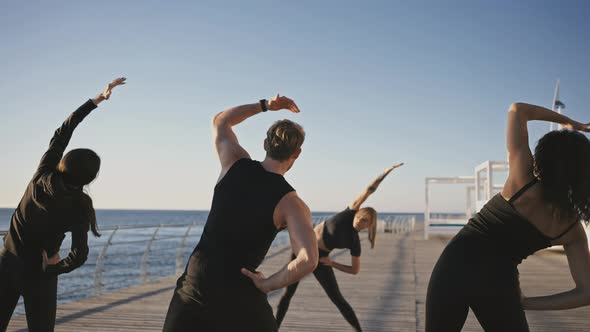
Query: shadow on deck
(388,294)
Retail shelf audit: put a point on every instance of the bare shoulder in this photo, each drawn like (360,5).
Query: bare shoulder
(291,202)
(515,182)
(291,206)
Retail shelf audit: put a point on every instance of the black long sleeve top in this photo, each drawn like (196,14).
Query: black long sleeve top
(50,208)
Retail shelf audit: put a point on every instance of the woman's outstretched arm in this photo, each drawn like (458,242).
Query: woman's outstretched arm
(520,157)
(354,268)
(356,204)
(63,134)
(578,258)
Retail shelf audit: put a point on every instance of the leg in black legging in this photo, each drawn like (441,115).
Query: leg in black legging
(40,297)
(325,275)
(9,290)
(8,300)
(447,303)
(285,300)
(502,312)
(446,308)
(185,313)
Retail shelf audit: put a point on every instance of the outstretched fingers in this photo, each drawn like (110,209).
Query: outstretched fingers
(279,102)
(109,89)
(116,82)
(397,165)
(248,274)
(252,275)
(391,168)
(290,104)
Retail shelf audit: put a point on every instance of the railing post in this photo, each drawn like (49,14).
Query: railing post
(146,255)
(181,249)
(426,211)
(100,263)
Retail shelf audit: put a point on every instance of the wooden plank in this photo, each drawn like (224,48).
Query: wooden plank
(382,294)
(385,285)
(388,294)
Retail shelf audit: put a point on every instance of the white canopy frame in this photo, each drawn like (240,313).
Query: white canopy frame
(447,226)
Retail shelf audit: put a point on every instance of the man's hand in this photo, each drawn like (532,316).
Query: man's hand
(282,102)
(258,279)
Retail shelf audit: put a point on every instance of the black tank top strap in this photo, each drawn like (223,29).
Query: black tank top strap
(565,232)
(522,191)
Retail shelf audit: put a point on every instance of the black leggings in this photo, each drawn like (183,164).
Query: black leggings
(39,293)
(469,275)
(325,276)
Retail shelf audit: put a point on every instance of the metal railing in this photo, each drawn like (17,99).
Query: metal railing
(128,255)
(153,236)
(397,224)
(90,278)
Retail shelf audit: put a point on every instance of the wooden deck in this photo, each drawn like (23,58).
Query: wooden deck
(388,294)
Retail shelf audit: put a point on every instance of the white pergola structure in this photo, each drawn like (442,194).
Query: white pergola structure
(479,188)
(447,225)
(485,187)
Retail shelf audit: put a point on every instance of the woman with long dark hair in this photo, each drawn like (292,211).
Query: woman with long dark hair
(54,203)
(543,202)
(341,231)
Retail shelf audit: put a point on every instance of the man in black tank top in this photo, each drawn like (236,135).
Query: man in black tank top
(220,289)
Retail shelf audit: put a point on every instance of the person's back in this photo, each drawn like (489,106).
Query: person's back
(53,204)
(339,232)
(541,204)
(501,229)
(240,227)
(47,210)
(220,289)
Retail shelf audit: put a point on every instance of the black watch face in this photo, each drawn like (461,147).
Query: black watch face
(263,105)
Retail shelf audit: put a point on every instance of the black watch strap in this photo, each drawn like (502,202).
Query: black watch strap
(263,105)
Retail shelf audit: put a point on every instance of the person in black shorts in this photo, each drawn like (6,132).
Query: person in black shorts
(542,203)
(54,203)
(340,231)
(220,289)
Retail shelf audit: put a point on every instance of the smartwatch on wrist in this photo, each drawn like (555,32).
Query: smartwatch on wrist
(263,105)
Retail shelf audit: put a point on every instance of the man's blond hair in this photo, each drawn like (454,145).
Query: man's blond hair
(284,137)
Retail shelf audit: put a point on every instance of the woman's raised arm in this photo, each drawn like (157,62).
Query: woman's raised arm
(356,204)
(61,137)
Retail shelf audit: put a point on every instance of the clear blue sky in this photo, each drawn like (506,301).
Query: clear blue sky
(425,83)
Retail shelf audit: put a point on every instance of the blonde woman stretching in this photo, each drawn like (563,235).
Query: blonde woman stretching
(338,232)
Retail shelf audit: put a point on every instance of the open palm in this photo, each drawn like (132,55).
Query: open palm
(106,94)
(281,102)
